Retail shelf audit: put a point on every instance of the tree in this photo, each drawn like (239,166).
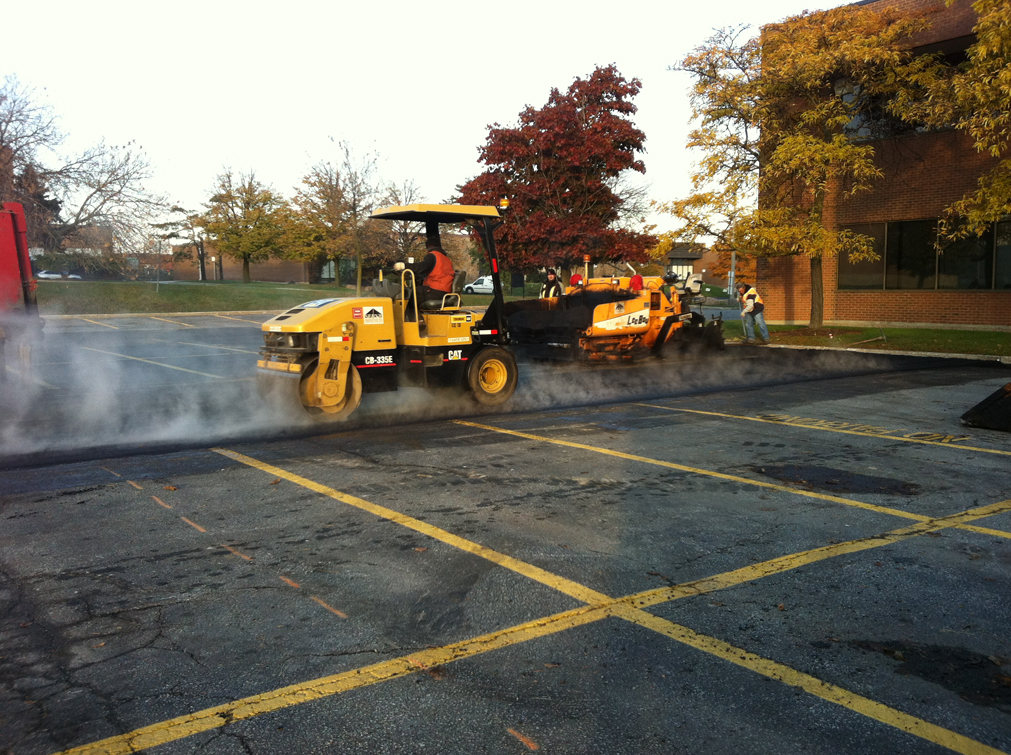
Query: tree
(316,226)
(784,120)
(187,226)
(564,169)
(64,195)
(976,97)
(244,219)
(360,187)
(406,238)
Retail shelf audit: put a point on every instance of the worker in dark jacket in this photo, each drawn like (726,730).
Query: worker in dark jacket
(435,272)
(551,287)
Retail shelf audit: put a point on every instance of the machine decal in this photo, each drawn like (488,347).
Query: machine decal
(464,339)
(634,320)
(460,318)
(331,339)
(378,361)
(275,328)
(454,355)
(374,316)
(356,313)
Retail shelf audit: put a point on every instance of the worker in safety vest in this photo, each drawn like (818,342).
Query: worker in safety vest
(751,313)
(434,272)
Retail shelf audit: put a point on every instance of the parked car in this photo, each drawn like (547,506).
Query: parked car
(48,275)
(482,285)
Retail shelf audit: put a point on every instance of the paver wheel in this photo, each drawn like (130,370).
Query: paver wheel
(492,376)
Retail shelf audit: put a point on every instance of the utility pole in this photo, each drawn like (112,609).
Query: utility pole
(733,267)
(157,283)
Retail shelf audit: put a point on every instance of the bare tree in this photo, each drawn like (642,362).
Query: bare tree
(407,238)
(100,187)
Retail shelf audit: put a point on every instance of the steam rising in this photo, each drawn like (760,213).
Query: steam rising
(101,401)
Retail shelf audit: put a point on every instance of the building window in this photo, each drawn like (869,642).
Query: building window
(910,259)
(967,263)
(865,274)
(1002,257)
(910,255)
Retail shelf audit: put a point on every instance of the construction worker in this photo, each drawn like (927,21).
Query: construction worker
(751,313)
(435,271)
(551,288)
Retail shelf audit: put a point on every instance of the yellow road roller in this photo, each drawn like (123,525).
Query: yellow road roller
(329,352)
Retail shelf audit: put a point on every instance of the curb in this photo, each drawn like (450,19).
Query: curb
(886,352)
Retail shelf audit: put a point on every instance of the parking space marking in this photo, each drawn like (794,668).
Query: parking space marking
(184,324)
(531,744)
(215,346)
(103,324)
(948,441)
(160,502)
(327,686)
(150,361)
(627,608)
(26,376)
(232,550)
(810,684)
(135,484)
(723,476)
(804,558)
(194,525)
(240,319)
(565,586)
(330,608)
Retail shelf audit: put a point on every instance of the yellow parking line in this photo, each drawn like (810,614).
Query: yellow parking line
(150,361)
(832,429)
(184,324)
(568,587)
(722,476)
(804,558)
(327,686)
(812,685)
(627,608)
(96,322)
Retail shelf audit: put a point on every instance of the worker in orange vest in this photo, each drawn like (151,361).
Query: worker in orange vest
(435,271)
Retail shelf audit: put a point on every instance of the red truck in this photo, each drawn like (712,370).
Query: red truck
(20,324)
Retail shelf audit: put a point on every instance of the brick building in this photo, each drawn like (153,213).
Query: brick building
(968,285)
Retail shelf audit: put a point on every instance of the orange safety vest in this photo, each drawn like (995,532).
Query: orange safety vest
(441,277)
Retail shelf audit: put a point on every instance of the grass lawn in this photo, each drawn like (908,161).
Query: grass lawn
(119,297)
(996,343)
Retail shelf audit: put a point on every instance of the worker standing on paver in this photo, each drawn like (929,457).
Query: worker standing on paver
(752,308)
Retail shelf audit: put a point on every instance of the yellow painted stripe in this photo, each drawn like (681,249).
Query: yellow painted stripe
(184,324)
(103,324)
(804,558)
(296,694)
(626,608)
(150,361)
(723,476)
(826,691)
(568,587)
(832,430)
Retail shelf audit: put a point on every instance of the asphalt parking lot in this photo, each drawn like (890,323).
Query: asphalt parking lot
(769,551)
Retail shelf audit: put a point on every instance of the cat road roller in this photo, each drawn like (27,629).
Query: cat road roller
(329,352)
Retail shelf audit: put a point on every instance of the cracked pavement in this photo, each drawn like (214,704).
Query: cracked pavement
(136,589)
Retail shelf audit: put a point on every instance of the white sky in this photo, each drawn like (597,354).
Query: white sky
(206,85)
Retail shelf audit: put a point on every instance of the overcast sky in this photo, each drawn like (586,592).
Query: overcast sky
(271,88)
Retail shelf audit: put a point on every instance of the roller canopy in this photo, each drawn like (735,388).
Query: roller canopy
(438,213)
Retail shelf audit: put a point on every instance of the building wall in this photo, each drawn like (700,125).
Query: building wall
(279,271)
(922,175)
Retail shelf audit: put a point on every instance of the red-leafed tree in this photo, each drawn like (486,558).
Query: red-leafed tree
(564,169)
